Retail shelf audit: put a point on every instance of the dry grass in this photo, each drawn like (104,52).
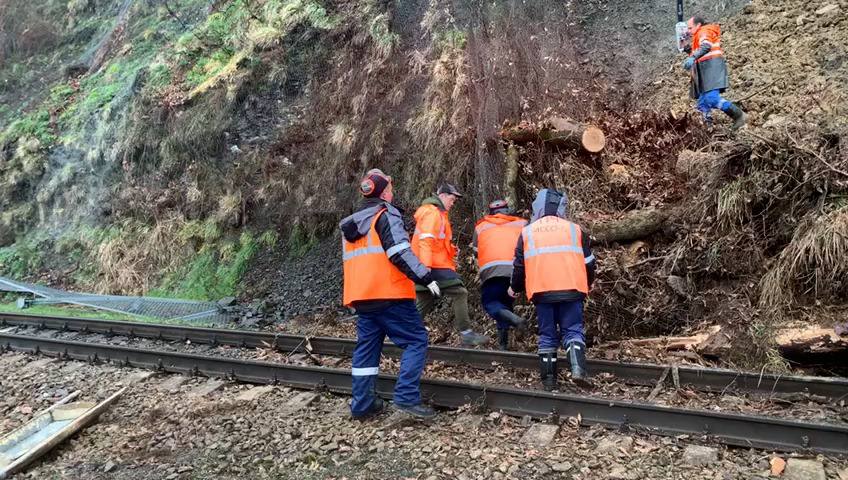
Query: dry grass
(342,137)
(128,262)
(733,201)
(815,263)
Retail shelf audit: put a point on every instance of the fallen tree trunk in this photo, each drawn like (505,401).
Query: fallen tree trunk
(633,225)
(557,131)
(810,339)
(692,342)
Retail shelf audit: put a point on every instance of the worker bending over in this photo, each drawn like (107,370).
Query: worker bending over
(432,242)
(380,273)
(709,72)
(494,240)
(555,266)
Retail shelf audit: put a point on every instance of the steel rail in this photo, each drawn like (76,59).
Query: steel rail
(733,429)
(706,379)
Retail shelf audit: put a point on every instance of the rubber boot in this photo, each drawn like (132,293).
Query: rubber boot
(739,117)
(503,339)
(548,371)
(510,317)
(576,352)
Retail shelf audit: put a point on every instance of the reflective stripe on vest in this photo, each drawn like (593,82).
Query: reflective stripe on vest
(496,241)
(430,235)
(368,272)
(553,257)
(712,35)
(443,252)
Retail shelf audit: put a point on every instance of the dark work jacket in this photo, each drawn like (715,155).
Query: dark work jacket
(551,202)
(708,75)
(391,231)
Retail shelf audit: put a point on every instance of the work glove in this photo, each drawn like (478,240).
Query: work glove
(434,289)
(688,63)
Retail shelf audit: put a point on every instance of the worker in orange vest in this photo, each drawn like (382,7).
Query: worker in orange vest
(432,242)
(554,265)
(709,72)
(494,240)
(380,273)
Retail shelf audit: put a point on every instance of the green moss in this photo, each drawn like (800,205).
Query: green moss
(207,231)
(300,241)
(214,273)
(36,124)
(454,39)
(269,238)
(207,67)
(159,75)
(382,34)
(21,259)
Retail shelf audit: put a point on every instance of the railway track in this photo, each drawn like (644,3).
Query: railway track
(704,379)
(733,429)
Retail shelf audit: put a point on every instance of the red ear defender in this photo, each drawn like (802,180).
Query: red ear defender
(367,186)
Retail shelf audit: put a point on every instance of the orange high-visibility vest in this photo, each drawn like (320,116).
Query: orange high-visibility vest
(710,33)
(553,256)
(496,238)
(431,241)
(368,272)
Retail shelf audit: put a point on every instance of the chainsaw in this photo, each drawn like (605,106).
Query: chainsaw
(681,30)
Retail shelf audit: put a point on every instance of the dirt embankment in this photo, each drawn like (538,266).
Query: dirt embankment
(215,125)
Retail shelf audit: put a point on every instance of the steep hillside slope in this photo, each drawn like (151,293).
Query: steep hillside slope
(171,147)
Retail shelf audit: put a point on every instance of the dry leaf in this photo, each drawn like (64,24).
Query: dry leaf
(777,466)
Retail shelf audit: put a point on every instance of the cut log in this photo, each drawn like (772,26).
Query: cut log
(810,339)
(557,131)
(577,135)
(633,225)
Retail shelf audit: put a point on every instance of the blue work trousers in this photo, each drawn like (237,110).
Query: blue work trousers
(494,297)
(402,323)
(559,324)
(707,101)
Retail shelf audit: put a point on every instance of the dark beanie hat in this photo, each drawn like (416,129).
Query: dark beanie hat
(373,184)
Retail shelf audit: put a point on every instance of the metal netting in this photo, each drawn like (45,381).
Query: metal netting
(153,307)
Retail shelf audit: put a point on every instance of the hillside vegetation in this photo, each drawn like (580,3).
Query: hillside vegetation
(205,149)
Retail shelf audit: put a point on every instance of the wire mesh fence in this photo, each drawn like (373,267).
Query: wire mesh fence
(151,307)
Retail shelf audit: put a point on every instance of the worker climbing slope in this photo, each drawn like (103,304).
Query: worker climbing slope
(494,240)
(555,266)
(380,273)
(432,242)
(708,70)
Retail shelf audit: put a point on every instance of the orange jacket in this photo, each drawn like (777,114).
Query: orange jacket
(710,33)
(368,272)
(431,242)
(496,236)
(553,256)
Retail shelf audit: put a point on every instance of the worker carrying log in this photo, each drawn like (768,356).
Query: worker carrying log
(494,241)
(432,242)
(708,70)
(380,273)
(554,265)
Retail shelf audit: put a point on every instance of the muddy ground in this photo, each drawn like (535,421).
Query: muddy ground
(165,428)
